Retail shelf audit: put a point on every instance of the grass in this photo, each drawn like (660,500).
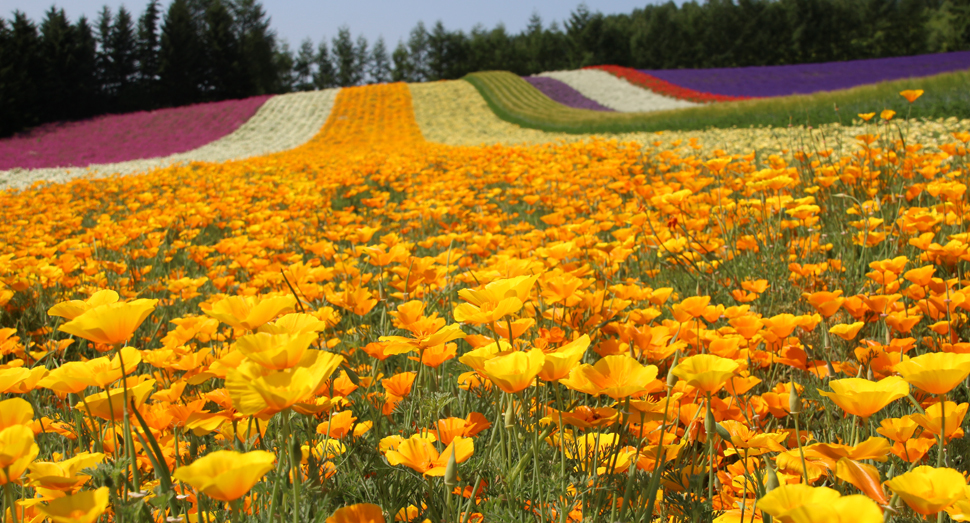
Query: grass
(516,101)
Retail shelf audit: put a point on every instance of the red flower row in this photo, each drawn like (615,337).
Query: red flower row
(664,87)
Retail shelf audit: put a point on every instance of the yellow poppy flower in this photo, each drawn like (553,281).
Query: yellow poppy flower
(559,362)
(706,372)
(420,454)
(83,507)
(15,411)
(249,312)
(514,371)
(254,389)
(111,324)
(928,490)
(275,351)
(109,405)
(934,418)
(63,475)
(864,398)
(935,372)
(911,94)
(226,475)
(801,503)
(617,376)
(73,308)
(17,451)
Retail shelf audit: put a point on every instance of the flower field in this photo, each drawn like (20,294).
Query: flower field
(424,312)
(616,93)
(116,138)
(561,92)
(784,80)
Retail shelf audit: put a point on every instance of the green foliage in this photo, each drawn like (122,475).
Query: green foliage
(516,101)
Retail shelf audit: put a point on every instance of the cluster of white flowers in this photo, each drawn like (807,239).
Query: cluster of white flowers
(616,93)
(282,123)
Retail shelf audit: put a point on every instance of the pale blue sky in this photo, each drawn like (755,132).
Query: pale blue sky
(295,20)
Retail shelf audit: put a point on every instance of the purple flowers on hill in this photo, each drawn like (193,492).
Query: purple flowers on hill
(783,80)
(121,137)
(563,93)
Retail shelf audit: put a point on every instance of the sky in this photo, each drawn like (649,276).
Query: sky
(294,20)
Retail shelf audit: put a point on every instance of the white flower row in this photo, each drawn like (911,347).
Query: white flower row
(616,93)
(282,123)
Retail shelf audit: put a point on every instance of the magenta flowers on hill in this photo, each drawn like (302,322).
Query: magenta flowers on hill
(122,137)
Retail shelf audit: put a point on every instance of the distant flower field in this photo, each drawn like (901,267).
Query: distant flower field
(392,303)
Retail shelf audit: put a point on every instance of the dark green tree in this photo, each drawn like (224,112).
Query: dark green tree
(148,55)
(122,49)
(303,66)
(180,61)
(20,75)
(224,76)
(257,43)
(346,59)
(380,65)
(325,75)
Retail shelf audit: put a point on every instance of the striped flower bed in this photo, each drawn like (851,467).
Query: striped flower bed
(563,93)
(616,93)
(121,137)
(783,80)
(282,123)
(663,87)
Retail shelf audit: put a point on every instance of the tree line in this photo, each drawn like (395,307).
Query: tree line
(208,50)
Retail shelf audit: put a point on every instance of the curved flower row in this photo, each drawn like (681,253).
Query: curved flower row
(282,123)
(563,93)
(665,88)
(616,93)
(117,138)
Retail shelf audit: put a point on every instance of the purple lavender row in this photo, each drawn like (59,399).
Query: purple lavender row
(122,137)
(563,93)
(782,80)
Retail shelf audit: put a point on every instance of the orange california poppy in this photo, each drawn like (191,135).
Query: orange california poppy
(514,371)
(935,372)
(359,513)
(112,324)
(83,507)
(226,475)
(560,361)
(618,376)
(706,372)
(864,398)
(420,454)
(928,490)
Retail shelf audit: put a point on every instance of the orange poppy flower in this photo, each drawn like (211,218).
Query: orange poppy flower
(706,372)
(111,324)
(514,371)
(17,451)
(420,454)
(359,513)
(83,507)
(935,372)
(617,376)
(864,398)
(249,312)
(935,416)
(928,490)
(806,504)
(226,475)
(74,308)
(560,361)
(911,94)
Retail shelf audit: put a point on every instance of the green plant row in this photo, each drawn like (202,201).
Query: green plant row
(516,101)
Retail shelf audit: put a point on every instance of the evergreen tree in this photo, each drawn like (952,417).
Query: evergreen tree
(380,64)
(283,62)
(86,87)
(20,75)
(325,75)
(105,21)
(257,43)
(303,66)
(59,44)
(418,54)
(179,60)
(224,71)
(148,55)
(122,49)
(401,68)
(345,59)
(362,55)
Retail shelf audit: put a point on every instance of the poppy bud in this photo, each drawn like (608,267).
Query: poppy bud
(723,432)
(772,482)
(451,470)
(709,421)
(794,402)
(510,415)
(671,378)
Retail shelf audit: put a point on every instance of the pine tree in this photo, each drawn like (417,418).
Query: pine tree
(123,51)
(104,67)
(418,54)
(19,75)
(57,49)
(179,61)
(325,75)
(401,68)
(148,50)
(345,59)
(257,44)
(86,87)
(224,71)
(380,65)
(303,66)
